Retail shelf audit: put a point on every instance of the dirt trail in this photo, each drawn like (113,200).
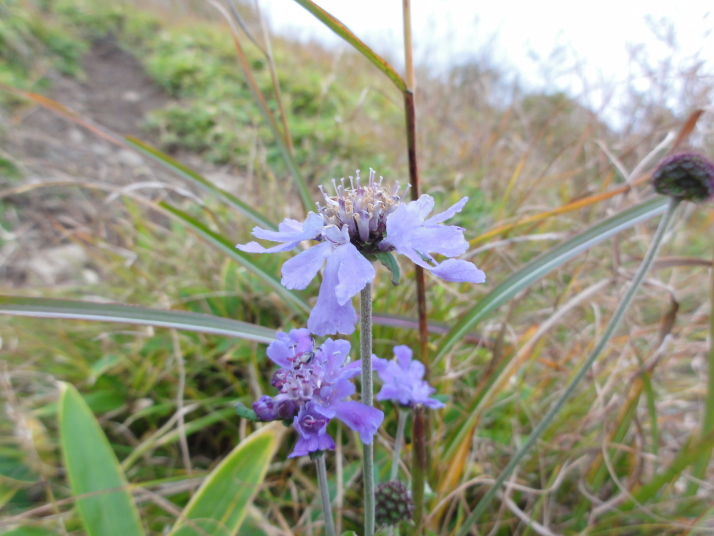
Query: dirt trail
(116,93)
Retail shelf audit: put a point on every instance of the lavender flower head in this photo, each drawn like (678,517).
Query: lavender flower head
(404,380)
(357,225)
(313,385)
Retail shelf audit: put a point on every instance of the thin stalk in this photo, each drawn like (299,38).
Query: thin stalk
(325,495)
(701,464)
(398,440)
(418,466)
(410,114)
(365,351)
(604,339)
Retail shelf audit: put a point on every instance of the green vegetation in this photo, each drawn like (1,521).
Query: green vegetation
(164,398)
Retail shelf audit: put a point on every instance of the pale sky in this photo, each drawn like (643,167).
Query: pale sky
(447,31)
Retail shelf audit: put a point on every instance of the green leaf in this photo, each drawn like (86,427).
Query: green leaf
(229,249)
(220,505)
(340,29)
(246,412)
(132,314)
(547,262)
(390,263)
(30,531)
(198,180)
(12,467)
(106,507)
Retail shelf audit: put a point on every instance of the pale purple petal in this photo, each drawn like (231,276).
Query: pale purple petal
(458,271)
(445,240)
(328,316)
(360,417)
(353,273)
(448,213)
(378,363)
(334,354)
(291,232)
(422,206)
(404,356)
(301,269)
(312,427)
(287,345)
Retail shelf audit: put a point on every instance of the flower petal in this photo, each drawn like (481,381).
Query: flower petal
(288,345)
(458,271)
(291,232)
(360,417)
(448,213)
(404,356)
(353,272)
(301,269)
(328,316)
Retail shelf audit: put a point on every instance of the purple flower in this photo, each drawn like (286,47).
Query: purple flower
(404,380)
(313,386)
(355,227)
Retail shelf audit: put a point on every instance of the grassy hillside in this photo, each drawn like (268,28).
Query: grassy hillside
(523,159)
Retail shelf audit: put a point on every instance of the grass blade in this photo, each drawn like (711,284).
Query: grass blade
(132,314)
(190,175)
(93,468)
(228,247)
(340,29)
(550,260)
(221,504)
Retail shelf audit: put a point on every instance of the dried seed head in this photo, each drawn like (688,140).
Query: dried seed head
(393,503)
(685,176)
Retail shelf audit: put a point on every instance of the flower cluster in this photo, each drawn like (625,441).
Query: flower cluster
(357,225)
(313,385)
(404,380)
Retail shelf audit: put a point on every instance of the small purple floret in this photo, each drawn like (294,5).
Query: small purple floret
(404,380)
(357,223)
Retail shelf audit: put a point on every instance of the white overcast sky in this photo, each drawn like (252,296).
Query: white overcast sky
(447,31)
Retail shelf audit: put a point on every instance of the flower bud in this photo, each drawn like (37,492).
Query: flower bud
(393,503)
(685,176)
(265,408)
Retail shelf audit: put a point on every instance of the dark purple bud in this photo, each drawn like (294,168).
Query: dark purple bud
(279,378)
(265,409)
(286,410)
(686,176)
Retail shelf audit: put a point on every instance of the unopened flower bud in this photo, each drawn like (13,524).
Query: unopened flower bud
(685,176)
(393,503)
(265,409)
(285,410)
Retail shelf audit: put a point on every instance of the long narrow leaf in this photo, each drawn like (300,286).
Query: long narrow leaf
(340,29)
(198,180)
(220,505)
(228,248)
(132,314)
(93,470)
(549,261)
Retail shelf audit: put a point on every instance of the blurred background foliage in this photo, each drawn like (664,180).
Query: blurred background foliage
(167,73)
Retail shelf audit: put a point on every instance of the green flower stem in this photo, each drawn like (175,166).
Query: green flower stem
(418,467)
(398,440)
(365,351)
(325,495)
(609,330)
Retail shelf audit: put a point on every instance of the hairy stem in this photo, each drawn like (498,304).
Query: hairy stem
(325,495)
(365,351)
(398,440)
(609,330)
